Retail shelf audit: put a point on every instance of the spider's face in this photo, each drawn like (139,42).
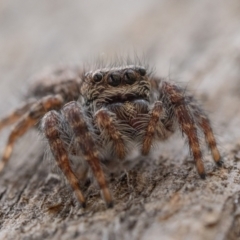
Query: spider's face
(116,85)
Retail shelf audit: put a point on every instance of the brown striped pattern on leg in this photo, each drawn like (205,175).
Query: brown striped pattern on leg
(210,139)
(186,122)
(204,124)
(75,117)
(50,128)
(106,122)
(157,110)
(28,120)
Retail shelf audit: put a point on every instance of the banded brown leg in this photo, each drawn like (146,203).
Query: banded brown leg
(204,123)
(50,127)
(28,120)
(186,122)
(82,137)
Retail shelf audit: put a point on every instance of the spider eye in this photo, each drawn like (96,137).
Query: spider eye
(142,71)
(129,77)
(114,79)
(97,77)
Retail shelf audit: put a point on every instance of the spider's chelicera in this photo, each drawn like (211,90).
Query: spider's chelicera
(101,116)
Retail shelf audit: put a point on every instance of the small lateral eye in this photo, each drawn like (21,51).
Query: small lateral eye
(97,77)
(142,71)
(129,77)
(114,79)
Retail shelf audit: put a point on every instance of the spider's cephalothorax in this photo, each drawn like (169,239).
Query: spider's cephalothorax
(105,114)
(117,85)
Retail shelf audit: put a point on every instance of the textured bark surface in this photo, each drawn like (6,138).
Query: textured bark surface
(193,42)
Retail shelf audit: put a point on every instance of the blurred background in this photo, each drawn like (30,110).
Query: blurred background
(196,43)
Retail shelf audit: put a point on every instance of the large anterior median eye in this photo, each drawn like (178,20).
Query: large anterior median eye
(97,77)
(129,77)
(114,79)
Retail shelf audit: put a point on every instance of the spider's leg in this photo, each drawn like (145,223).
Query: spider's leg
(29,119)
(50,126)
(105,122)
(83,138)
(204,123)
(156,112)
(17,114)
(185,121)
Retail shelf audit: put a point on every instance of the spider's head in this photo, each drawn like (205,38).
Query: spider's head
(115,85)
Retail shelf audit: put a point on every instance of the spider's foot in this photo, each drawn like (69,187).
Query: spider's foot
(217,157)
(202,175)
(220,162)
(200,169)
(80,198)
(110,204)
(83,204)
(107,197)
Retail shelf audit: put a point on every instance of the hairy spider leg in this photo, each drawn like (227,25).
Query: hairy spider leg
(185,121)
(107,124)
(29,119)
(17,114)
(50,125)
(204,124)
(82,136)
(156,113)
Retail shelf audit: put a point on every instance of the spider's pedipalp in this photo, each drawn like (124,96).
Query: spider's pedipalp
(156,113)
(83,138)
(29,119)
(106,123)
(186,122)
(50,125)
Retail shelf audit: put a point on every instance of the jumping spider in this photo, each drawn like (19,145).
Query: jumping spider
(102,115)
